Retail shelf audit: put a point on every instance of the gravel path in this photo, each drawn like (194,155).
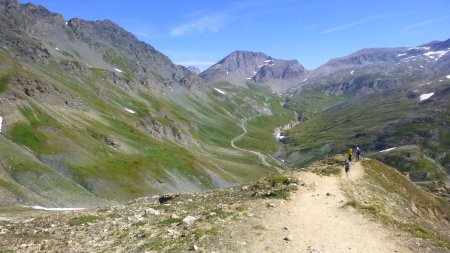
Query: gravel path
(316,221)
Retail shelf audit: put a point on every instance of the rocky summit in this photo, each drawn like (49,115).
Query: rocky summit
(241,67)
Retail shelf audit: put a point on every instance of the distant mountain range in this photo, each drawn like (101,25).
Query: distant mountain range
(388,67)
(393,64)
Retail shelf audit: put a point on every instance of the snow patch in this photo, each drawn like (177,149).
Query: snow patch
(421,66)
(254,72)
(387,150)
(426,96)
(436,54)
(267,61)
(56,208)
(130,111)
(279,136)
(220,91)
(441,80)
(57,49)
(1,120)
(448,77)
(409,58)
(304,80)
(248,78)
(118,70)
(401,54)
(67,23)
(351,72)
(424,48)
(227,72)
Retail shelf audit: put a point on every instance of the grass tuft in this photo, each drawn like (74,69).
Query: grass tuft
(81,220)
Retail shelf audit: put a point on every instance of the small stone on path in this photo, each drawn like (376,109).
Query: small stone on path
(289,237)
(270,204)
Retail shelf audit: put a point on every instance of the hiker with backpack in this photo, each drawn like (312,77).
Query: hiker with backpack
(347,167)
(350,153)
(358,154)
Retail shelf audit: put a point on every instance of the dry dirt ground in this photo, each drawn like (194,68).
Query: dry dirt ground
(317,220)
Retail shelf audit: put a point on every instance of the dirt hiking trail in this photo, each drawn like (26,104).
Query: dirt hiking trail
(316,221)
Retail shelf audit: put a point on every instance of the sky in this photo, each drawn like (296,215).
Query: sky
(200,33)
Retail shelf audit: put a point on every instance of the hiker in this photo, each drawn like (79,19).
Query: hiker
(358,153)
(350,153)
(347,167)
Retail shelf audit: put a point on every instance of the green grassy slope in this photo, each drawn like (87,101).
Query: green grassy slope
(380,120)
(394,200)
(177,140)
(412,160)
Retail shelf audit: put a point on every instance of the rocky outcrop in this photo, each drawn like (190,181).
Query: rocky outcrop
(159,131)
(23,86)
(278,131)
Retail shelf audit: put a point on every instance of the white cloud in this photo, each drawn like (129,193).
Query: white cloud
(349,25)
(209,23)
(425,23)
(214,21)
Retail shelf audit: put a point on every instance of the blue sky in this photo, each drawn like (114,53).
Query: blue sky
(201,33)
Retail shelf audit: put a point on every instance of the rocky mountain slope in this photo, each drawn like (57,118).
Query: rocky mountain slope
(101,44)
(90,115)
(241,67)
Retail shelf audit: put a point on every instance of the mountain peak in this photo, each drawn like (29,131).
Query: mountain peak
(194,70)
(241,67)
